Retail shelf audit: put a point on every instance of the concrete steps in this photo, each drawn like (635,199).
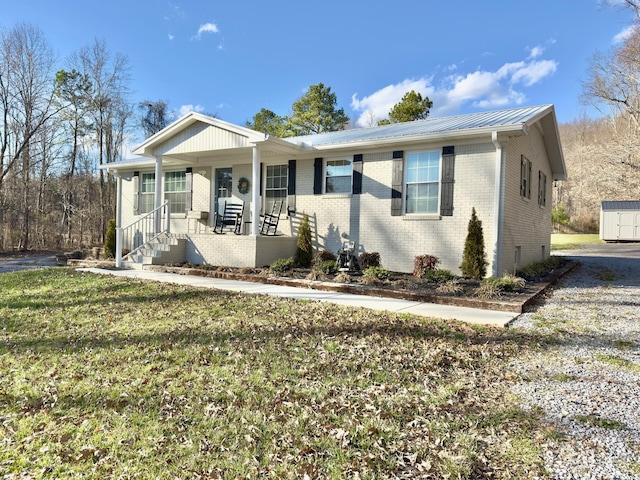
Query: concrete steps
(166,248)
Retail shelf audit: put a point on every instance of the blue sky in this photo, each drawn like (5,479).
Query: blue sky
(232,58)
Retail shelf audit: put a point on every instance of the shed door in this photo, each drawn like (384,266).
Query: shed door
(625,225)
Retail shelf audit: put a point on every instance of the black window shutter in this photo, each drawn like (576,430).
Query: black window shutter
(397,178)
(189,182)
(357,174)
(447,181)
(317,176)
(136,192)
(291,186)
(261,174)
(529,184)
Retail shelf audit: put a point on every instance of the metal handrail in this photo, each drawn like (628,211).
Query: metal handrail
(142,232)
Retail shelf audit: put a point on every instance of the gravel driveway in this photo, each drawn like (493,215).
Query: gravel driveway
(588,386)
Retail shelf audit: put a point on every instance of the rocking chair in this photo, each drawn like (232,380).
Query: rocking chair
(269,223)
(230,219)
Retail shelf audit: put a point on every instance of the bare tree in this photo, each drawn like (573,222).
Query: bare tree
(26,104)
(109,110)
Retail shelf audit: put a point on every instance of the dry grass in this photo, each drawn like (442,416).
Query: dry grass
(106,378)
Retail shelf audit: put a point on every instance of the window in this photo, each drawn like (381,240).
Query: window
(276,186)
(525,177)
(175,191)
(337,174)
(423,182)
(147,192)
(542,189)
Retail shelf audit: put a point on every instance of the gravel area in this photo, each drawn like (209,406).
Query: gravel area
(588,384)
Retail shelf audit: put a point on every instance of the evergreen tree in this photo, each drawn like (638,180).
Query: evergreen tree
(304,247)
(110,240)
(411,107)
(474,262)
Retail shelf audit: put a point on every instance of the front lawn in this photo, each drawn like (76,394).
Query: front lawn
(571,241)
(106,378)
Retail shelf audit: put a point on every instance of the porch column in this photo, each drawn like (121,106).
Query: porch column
(118,220)
(255,192)
(158,192)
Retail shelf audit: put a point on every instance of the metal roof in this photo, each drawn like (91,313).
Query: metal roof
(498,120)
(621,205)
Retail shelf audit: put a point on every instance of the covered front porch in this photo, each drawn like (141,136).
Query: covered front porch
(175,191)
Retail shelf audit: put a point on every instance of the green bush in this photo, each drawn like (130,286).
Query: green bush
(328,267)
(474,262)
(423,264)
(369,259)
(379,273)
(438,275)
(282,265)
(506,283)
(304,246)
(110,240)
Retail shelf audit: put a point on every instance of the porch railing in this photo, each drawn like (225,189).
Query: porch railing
(141,233)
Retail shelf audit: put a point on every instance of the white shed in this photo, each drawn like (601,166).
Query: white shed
(620,221)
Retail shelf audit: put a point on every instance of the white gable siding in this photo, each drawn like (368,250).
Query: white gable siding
(201,137)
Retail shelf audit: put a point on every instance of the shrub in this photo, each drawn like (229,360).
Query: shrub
(369,259)
(110,240)
(450,287)
(474,262)
(324,255)
(488,291)
(536,270)
(343,277)
(281,265)
(328,267)
(506,283)
(438,275)
(424,263)
(304,247)
(379,273)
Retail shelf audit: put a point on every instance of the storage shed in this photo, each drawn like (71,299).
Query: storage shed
(620,221)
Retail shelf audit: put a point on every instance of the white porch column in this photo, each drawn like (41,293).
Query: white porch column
(498,207)
(158,193)
(255,192)
(118,220)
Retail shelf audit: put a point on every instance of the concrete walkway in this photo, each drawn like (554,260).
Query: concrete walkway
(469,315)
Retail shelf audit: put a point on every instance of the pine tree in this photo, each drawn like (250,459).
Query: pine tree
(474,262)
(304,247)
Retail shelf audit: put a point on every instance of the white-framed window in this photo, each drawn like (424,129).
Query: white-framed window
(422,182)
(542,189)
(147,192)
(175,191)
(525,177)
(337,175)
(276,186)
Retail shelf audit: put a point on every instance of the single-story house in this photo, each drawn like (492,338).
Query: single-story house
(401,190)
(620,221)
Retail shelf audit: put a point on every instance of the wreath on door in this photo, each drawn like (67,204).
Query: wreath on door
(243,185)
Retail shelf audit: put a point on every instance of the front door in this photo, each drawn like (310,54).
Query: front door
(224,183)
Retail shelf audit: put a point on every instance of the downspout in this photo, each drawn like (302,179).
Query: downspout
(498,209)
(118,220)
(255,192)
(158,192)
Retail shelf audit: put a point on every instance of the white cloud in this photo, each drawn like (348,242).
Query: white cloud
(480,88)
(207,28)
(624,34)
(536,52)
(171,37)
(184,109)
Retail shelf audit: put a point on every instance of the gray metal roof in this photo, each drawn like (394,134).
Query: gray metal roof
(621,205)
(499,119)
